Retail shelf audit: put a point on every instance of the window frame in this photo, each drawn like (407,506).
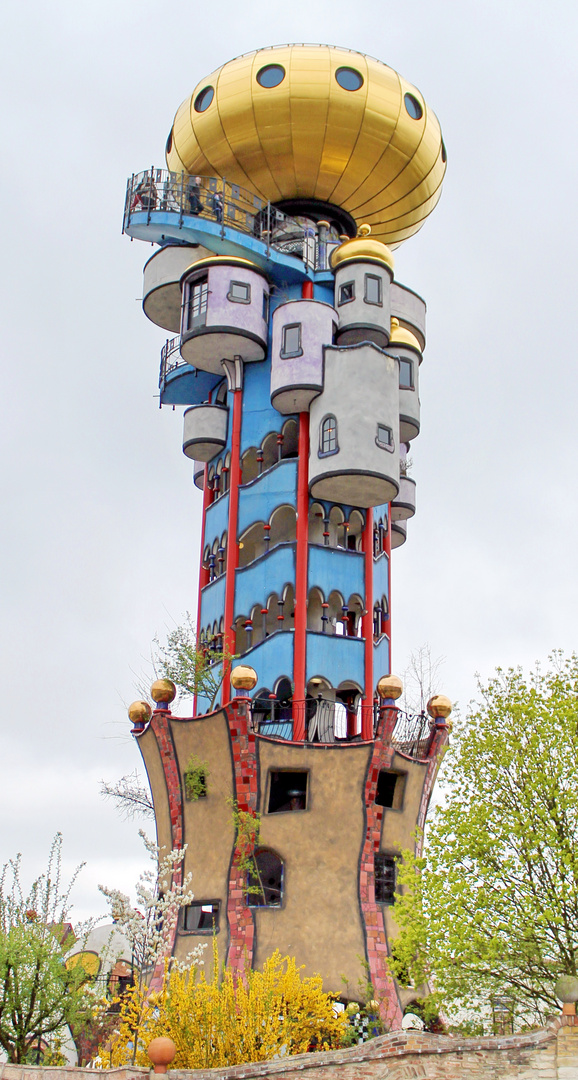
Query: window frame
(384,858)
(238,299)
(402,386)
(207,930)
(250,899)
(284,353)
(346,285)
(373,277)
(389,446)
(278,772)
(200,318)
(327,453)
(398,794)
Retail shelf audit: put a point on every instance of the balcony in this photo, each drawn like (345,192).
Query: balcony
(403,506)
(204,431)
(179,382)
(162,284)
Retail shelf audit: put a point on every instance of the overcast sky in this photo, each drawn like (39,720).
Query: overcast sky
(100,519)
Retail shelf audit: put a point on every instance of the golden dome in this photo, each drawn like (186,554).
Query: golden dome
(316,122)
(390,686)
(362,249)
(243,677)
(401,336)
(439,707)
(163,691)
(139,712)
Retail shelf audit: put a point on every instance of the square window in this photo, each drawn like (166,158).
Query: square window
(291,345)
(372,289)
(346,292)
(384,868)
(405,375)
(384,437)
(202,917)
(239,292)
(390,788)
(287,792)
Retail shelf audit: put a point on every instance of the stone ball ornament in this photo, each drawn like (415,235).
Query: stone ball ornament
(243,677)
(439,707)
(161,1052)
(566,989)
(390,686)
(163,691)
(139,712)
(299,125)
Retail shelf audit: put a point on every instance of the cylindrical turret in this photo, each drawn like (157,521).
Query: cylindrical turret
(363,275)
(224,312)
(300,331)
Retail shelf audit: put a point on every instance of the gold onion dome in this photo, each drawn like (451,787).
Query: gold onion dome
(364,248)
(401,336)
(315,122)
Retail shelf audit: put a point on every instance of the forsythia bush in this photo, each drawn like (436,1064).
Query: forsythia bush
(228,1020)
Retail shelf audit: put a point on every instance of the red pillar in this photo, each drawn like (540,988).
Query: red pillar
(232,544)
(388,554)
(300,634)
(367,627)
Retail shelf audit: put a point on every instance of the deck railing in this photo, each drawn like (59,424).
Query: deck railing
(411,734)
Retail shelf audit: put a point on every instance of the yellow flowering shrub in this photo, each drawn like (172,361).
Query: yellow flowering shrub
(230,1019)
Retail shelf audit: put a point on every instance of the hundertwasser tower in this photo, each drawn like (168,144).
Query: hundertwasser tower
(291,174)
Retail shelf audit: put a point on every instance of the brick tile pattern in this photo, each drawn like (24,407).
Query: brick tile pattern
(240,917)
(160,724)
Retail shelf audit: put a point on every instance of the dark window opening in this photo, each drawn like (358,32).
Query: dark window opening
(291,345)
(201,917)
(384,437)
(239,292)
(265,880)
(413,106)
(197,302)
(372,289)
(346,292)
(270,76)
(390,787)
(328,436)
(405,375)
(204,99)
(287,791)
(349,78)
(169,145)
(266,306)
(384,867)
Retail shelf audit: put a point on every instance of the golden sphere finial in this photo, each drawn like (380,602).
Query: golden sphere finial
(163,691)
(390,686)
(139,712)
(243,677)
(364,230)
(439,707)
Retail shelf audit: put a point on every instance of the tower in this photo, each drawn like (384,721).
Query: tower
(291,175)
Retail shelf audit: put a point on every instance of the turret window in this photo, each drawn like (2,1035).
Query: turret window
(384,437)
(372,289)
(405,375)
(239,292)
(291,344)
(197,302)
(384,868)
(328,436)
(346,292)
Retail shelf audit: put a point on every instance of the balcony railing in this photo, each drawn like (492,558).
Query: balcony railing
(171,358)
(411,734)
(228,205)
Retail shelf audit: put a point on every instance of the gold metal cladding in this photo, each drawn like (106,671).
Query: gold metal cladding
(439,707)
(243,677)
(139,712)
(401,336)
(307,137)
(390,686)
(163,691)
(362,249)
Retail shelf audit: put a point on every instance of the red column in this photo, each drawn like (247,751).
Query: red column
(388,554)
(232,544)
(300,634)
(367,627)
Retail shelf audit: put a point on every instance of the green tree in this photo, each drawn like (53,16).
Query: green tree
(39,993)
(197,667)
(492,907)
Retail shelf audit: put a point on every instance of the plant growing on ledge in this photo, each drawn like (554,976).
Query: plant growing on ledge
(195,778)
(196,666)
(248,829)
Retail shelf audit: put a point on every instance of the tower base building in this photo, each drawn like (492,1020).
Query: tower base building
(295,353)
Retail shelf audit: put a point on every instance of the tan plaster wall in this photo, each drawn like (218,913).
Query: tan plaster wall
(151,756)
(320,847)
(207,823)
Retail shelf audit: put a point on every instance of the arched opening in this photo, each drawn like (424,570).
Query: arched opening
(380,615)
(290,433)
(337,614)
(270,450)
(315,610)
(252,543)
(241,636)
(273,612)
(316,524)
(283,525)
(353,615)
(265,879)
(249,465)
(289,607)
(355,531)
(336,530)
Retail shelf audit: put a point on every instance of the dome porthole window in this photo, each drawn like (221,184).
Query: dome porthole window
(413,107)
(270,76)
(444,154)
(204,99)
(169,145)
(349,78)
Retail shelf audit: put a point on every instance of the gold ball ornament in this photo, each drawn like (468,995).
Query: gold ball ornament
(163,691)
(243,677)
(139,712)
(439,707)
(390,686)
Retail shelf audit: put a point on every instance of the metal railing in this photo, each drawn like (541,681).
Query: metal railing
(215,199)
(324,721)
(411,734)
(171,358)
